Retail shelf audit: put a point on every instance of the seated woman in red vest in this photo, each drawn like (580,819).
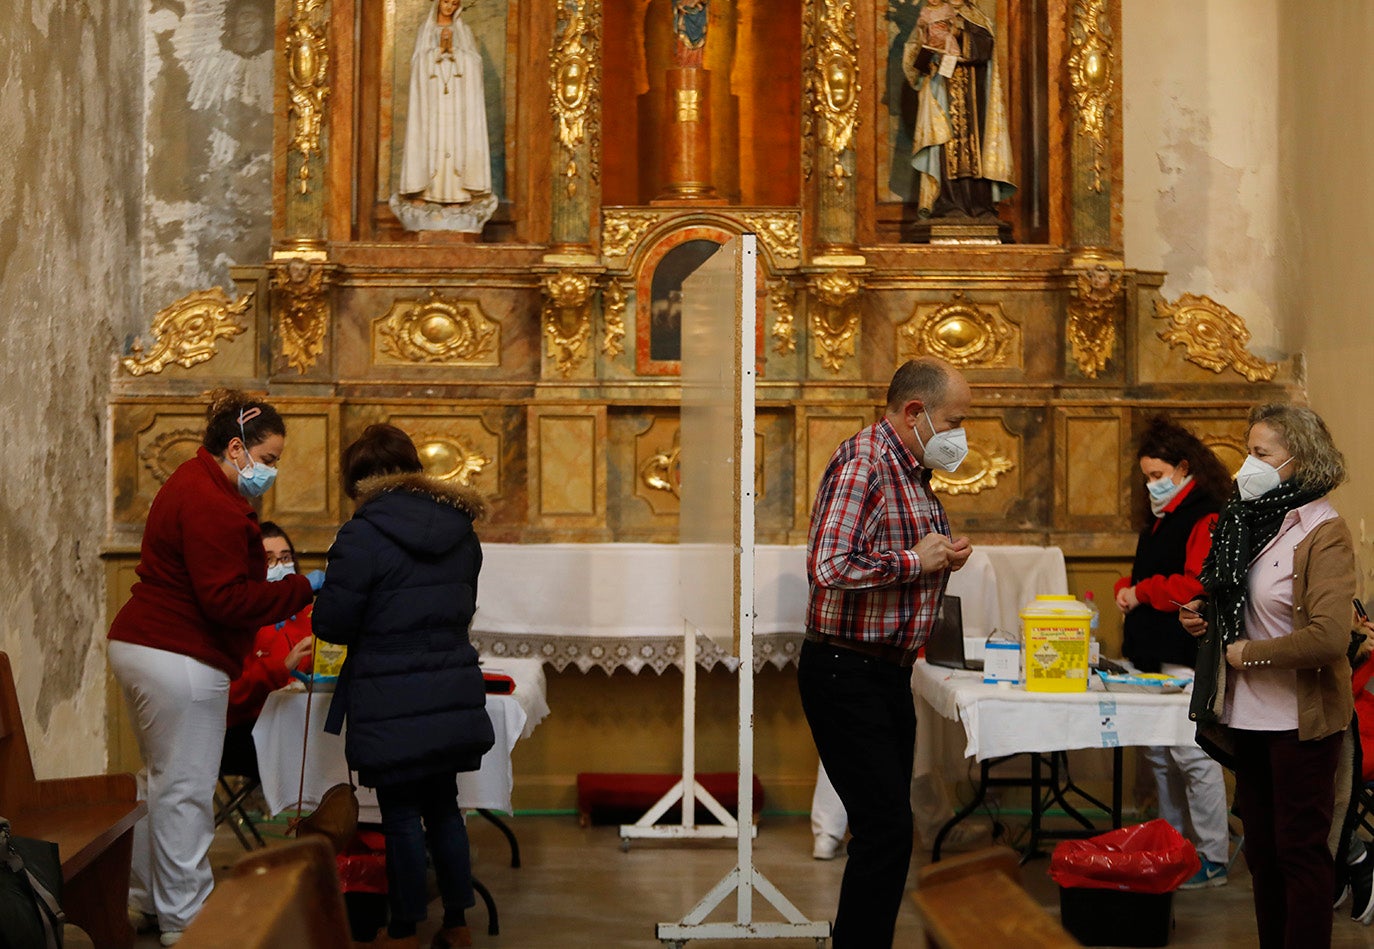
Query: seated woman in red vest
(277,650)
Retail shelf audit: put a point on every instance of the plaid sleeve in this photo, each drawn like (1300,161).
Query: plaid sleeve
(843,556)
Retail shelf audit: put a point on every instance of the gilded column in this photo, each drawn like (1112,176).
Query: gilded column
(830,115)
(1095,148)
(575,101)
(307,58)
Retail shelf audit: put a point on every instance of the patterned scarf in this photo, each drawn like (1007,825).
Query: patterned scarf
(1243,528)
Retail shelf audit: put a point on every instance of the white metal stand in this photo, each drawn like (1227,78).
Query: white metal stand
(688,789)
(744,880)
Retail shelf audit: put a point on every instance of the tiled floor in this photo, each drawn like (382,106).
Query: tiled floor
(577,888)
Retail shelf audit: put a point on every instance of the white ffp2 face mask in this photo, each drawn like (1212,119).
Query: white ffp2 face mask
(945,450)
(1257,478)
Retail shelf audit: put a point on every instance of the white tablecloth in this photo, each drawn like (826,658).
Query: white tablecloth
(278,738)
(612,605)
(999,721)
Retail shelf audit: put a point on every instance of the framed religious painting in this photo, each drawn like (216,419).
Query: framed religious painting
(658,295)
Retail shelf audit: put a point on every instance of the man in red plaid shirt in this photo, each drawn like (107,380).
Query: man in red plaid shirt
(878,557)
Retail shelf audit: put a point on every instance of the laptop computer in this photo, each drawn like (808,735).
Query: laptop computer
(946,644)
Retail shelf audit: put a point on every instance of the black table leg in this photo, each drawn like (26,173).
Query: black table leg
(493,922)
(505,829)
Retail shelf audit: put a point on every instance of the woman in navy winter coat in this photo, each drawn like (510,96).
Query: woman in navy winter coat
(399,592)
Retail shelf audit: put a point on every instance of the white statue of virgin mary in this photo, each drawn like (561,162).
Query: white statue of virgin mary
(446,159)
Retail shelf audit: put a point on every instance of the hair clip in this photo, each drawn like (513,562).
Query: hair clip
(247,415)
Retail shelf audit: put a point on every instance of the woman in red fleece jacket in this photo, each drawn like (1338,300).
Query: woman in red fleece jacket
(279,649)
(202,593)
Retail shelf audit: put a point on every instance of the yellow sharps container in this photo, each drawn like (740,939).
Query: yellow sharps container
(1054,634)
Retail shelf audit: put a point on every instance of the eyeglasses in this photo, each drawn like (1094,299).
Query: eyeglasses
(284,560)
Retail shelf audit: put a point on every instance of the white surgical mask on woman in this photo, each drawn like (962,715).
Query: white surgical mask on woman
(945,450)
(1257,478)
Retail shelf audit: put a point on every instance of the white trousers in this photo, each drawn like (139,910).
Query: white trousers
(177,706)
(827,810)
(1192,796)
(930,807)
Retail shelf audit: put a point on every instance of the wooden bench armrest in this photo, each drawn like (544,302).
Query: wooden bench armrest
(90,789)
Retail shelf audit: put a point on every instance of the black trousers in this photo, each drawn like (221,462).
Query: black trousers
(1285,794)
(864,723)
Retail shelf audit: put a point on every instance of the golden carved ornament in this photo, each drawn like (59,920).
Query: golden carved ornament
(959,332)
(780,233)
(575,88)
(1092,319)
(835,316)
(188,332)
(613,302)
(1092,74)
(832,86)
(437,329)
(450,459)
(621,230)
(978,473)
(1213,336)
(662,471)
(567,318)
(783,296)
(301,317)
(164,454)
(307,79)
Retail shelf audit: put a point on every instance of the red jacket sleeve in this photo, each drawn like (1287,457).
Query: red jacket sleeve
(1159,590)
(264,671)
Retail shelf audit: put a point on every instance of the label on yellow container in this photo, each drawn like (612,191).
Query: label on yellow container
(329,658)
(1055,634)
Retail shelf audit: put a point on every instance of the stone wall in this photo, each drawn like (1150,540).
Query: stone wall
(69,241)
(207,72)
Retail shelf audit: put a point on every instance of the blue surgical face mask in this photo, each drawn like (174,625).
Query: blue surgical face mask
(1162,491)
(279,571)
(255,479)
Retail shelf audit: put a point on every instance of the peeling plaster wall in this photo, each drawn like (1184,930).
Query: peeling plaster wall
(208,76)
(70,206)
(1201,129)
(1325,105)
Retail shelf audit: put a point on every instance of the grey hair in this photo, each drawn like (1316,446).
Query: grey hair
(925,378)
(1320,464)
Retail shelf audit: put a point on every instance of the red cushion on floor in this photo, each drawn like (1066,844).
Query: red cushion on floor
(618,798)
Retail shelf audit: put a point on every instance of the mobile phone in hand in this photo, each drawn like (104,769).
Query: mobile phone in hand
(1359,611)
(1186,609)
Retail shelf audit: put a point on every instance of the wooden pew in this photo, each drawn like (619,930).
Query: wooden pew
(975,901)
(284,897)
(91,819)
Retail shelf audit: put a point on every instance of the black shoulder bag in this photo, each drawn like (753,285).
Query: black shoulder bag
(31,916)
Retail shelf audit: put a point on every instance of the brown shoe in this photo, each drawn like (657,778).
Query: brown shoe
(452,938)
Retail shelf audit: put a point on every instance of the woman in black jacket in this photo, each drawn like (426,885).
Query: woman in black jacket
(399,592)
(1186,486)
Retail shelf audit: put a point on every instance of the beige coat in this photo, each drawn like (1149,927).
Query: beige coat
(1323,591)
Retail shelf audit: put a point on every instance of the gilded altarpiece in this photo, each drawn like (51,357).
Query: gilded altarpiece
(530,351)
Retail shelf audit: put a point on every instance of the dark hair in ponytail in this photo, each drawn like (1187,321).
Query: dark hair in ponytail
(234,414)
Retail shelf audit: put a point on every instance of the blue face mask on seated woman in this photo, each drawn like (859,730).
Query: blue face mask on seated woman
(279,571)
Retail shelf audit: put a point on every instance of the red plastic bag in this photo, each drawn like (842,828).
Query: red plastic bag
(1143,858)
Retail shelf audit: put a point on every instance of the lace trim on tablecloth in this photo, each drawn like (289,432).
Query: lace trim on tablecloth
(631,652)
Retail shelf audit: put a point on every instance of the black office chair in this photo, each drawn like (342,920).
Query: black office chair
(240,763)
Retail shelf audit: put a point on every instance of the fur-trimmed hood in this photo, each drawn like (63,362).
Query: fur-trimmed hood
(419,513)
